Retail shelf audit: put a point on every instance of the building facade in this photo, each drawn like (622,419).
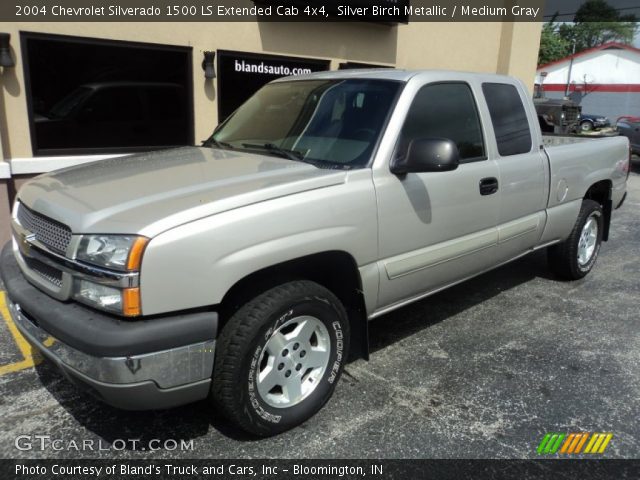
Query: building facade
(82,92)
(604,80)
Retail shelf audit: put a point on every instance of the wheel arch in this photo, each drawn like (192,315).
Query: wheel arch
(601,192)
(335,270)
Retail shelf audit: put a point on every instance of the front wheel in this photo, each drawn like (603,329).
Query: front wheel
(279,357)
(586,126)
(576,256)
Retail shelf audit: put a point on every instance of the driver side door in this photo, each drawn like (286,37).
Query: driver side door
(436,228)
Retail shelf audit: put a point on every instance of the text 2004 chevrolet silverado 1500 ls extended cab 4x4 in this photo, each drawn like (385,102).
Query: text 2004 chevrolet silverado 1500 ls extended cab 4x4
(245,270)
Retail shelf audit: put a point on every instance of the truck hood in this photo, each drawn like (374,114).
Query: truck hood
(149,193)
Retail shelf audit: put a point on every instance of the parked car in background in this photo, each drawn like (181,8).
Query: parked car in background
(589,122)
(629,118)
(630,128)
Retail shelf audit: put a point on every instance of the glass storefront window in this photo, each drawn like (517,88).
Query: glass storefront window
(98,96)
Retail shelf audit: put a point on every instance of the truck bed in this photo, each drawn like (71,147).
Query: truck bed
(576,165)
(552,140)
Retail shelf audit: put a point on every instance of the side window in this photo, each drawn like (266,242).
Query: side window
(445,110)
(508,117)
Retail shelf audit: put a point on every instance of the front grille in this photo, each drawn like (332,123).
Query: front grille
(51,233)
(571,115)
(53,275)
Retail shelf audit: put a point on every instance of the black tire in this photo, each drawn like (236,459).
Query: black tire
(241,344)
(586,126)
(563,257)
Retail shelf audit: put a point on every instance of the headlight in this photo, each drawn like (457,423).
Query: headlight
(123,302)
(117,252)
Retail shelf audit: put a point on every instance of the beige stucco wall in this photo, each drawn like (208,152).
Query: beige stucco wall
(509,48)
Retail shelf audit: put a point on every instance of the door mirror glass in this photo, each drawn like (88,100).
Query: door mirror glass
(440,114)
(428,155)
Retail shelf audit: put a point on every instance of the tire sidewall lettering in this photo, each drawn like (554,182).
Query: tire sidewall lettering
(302,306)
(282,319)
(253,393)
(335,368)
(251,386)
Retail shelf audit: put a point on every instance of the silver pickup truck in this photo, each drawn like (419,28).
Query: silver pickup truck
(245,270)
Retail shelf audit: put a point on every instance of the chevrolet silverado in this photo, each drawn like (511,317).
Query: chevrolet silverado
(244,271)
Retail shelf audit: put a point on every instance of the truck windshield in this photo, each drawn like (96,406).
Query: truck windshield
(65,106)
(330,123)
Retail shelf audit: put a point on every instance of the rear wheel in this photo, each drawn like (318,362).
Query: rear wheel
(279,357)
(576,256)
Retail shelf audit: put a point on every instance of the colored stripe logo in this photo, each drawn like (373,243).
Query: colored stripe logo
(573,443)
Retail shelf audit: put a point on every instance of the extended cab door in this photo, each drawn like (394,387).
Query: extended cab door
(439,227)
(523,169)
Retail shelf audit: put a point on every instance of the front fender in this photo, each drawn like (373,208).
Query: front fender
(195,264)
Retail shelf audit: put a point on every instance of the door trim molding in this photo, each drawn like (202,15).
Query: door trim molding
(410,262)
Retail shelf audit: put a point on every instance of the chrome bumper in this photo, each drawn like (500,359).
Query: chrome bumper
(157,380)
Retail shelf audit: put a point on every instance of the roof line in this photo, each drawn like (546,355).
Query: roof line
(605,46)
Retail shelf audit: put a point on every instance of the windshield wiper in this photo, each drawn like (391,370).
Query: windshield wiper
(297,156)
(209,141)
(270,147)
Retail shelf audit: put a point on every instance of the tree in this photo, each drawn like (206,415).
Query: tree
(595,23)
(552,45)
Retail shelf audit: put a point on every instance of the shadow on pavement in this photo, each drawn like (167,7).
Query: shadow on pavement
(193,421)
(181,423)
(409,320)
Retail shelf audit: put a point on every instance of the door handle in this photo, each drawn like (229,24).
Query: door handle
(488,186)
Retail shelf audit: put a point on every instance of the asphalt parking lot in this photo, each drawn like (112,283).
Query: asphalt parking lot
(483,370)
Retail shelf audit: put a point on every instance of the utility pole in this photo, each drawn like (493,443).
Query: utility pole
(566,90)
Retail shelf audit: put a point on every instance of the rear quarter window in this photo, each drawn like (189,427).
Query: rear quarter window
(508,117)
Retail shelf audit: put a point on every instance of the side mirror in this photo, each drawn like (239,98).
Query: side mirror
(428,155)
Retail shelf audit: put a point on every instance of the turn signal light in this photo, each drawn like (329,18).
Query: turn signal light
(131,302)
(135,254)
